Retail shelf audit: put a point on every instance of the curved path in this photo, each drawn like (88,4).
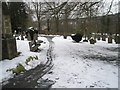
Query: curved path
(29,78)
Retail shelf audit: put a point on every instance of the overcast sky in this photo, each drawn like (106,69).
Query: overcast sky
(115,7)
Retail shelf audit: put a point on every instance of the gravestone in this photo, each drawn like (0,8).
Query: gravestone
(34,46)
(117,39)
(110,39)
(28,37)
(103,38)
(9,49)
(98,37)
(22,38)
(35,36)
(32,34)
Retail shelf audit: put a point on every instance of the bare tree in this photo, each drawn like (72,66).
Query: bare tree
(67,12)
(59,11)
(38,10)
(55,9)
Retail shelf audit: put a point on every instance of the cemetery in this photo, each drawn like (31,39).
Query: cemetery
(59,45)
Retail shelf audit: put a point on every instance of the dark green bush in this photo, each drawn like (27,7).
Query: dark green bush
(77,37)
(92,41)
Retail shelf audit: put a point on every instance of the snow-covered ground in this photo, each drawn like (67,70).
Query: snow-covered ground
(23,47)
(76,65)
(83,65)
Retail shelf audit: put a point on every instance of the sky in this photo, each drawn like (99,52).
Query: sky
(114,9)
(115,6)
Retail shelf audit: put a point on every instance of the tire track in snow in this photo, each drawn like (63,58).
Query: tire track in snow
(29,78)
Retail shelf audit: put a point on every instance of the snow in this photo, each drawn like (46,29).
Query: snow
(23,46)
(75,66)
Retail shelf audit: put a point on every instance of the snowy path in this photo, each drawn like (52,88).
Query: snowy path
(82,65)
(29,78)
(76,65)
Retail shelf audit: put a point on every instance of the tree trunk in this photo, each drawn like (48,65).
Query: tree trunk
(57,23)
(39,26)
(48,25)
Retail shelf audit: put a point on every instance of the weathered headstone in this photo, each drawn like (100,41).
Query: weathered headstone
(117,39)
(103,38)
(32,34)
(110,39)
(9,49)
(35,36)
(98,37)
(22,38)
(34,46)
(28,37)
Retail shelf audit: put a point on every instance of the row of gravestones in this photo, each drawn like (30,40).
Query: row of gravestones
(110,38)
(28,36)
(34,42)
(92,38)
